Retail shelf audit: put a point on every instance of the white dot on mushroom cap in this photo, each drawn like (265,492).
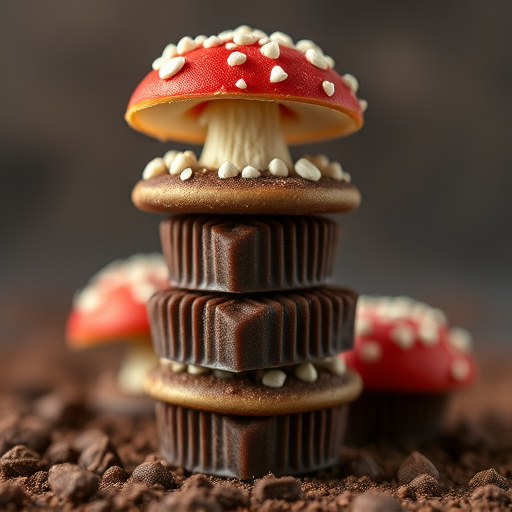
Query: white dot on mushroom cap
(274,379)
(282,38)
(363,326)
(402,335)
(186,174)
(264,40)
(241,84)
(369,351)
(170,156)
(351,81)
(158,63)
(306,372)
(277,74)
(250,172)
(228,170)
(333,171)
(330,62)
(171,67)
(170,51)
(141,292)
(88,300)
(278,168)
(306,44)
(212,41)
(460,339)
(244,39)
(231,46)
(307,170)
(186,44)
(226,35)
(317,59)
(155,167)
(182,161)
(271,50)
(199,40)
(363,105)
(428,332)
(460,369)
(236,58)
(328,87)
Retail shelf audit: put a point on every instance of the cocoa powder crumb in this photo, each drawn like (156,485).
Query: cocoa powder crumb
(426,485)
(373,501)
(72,482)
(415,465)
(490,493)
(286,488)
(153,473)
(489,476)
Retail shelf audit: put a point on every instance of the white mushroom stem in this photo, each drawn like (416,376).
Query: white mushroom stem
(243,132)
(138,360)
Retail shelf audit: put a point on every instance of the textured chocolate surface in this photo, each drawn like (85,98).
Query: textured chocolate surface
(250,331)
(207,193)
(225,445)
(244,397)
(248,253)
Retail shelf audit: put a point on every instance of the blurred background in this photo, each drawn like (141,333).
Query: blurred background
(432,161)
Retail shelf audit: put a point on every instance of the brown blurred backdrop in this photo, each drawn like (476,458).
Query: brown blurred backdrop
(432,161)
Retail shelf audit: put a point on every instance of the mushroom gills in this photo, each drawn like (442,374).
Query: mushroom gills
(246,133)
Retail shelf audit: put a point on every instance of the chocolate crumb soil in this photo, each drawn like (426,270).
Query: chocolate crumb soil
(56,453)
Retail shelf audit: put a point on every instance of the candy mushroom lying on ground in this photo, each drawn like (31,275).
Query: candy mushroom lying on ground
(246,96)
(410,361)
(112,308)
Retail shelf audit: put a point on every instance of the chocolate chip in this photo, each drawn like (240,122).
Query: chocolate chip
(415,465)
(490,493)
(20,452)
(59,452)
(31,431)
(87,438)
(11,493)
(153,473)
(372,501)
(426,485)
(196,482)
(72,482)
(286,488)
(113,478)
(59,408)
(230,497)
(364,465)
(99,456)
(489,476)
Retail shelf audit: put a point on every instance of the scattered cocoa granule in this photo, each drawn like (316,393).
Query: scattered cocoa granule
(414,465)
(489,476)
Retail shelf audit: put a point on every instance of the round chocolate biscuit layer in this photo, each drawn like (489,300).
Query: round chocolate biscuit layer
(207,193)
(246,253)
(244,397)
(239,332)
(248,447)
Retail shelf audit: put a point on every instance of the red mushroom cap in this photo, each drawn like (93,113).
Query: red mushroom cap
(406,346)
(112,307)
(316,103)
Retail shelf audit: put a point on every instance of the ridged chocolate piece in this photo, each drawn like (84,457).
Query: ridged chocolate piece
(251,331)
(245,253)
(247,447)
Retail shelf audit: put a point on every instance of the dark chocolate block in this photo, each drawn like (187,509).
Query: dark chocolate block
(249,447)
(251,331)
(248,254)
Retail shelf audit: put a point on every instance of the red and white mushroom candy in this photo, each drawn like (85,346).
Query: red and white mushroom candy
(246,95)
(407,346)
(112,307)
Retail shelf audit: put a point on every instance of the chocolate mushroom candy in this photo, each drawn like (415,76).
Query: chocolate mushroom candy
(112,308)
(246,97)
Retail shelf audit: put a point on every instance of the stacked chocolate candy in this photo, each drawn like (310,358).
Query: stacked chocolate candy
(248,333)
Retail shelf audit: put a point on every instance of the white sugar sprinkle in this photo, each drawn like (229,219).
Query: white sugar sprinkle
(186,44)
(250,172)
(306,372)
(370,351)
(222,374)
(236,58)
(328,87)
(278,168)
(274,379)
(242,39)
(228,170)
(241,84)
(307,170)
(363,104)
(186,174)
(346,177)
(278,74)
(155,167)
(335,365)
(316,58)
(193,369)
(271,50)
(212,41)
(282,38)
(170,156)
(460,369)
(334,171)
(351,81)
(231,46)
(171,67)
(182,161)
(177,367)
